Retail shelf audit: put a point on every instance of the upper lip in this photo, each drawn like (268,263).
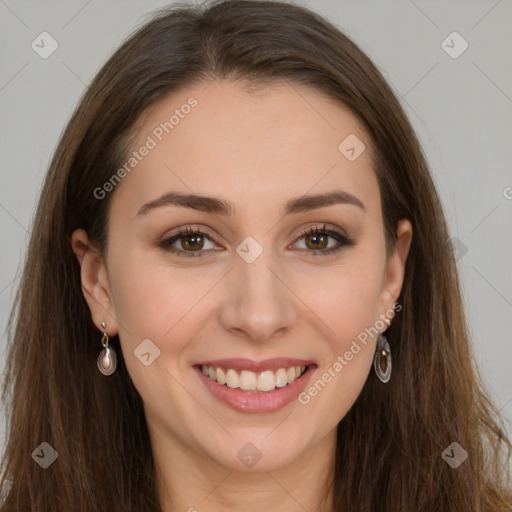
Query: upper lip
(257,366)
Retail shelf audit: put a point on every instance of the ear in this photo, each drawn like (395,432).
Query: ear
(395,268)
(95,284)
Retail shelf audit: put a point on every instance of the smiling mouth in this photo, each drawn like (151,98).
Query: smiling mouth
(252,382)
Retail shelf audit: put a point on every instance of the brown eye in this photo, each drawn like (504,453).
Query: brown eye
(191,241)
(317,241)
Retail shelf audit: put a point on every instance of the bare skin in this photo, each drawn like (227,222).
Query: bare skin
(256,151)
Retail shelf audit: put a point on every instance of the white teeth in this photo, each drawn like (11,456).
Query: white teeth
(247,380)
(232,379)
(266,381)
(281,378)
(221,376)
(251,381)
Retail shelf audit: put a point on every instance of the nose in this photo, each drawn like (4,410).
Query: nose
(259,305)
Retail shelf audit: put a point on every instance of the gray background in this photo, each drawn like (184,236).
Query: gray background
(460,107)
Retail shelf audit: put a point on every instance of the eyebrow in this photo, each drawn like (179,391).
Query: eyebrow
(222,207)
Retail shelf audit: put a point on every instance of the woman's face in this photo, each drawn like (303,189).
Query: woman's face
(254,286)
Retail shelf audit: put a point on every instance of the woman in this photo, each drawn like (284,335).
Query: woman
(240,292)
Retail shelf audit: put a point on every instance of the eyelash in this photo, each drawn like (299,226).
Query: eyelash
(342,240)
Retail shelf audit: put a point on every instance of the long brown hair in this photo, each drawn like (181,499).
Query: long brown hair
(389,447)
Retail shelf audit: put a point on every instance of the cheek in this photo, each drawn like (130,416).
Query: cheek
(334,391)
(345,297)
(160,304)
(157,301)
(346,300)
(347,305)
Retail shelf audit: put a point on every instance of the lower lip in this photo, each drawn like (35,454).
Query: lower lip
(244,401)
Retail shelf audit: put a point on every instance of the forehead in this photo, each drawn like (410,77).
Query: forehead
(261,147)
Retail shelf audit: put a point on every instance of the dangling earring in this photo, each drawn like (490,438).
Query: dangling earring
(107,360)
(382,356)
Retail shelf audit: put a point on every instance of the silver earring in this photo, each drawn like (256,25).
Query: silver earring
(382,357)
(107,360)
